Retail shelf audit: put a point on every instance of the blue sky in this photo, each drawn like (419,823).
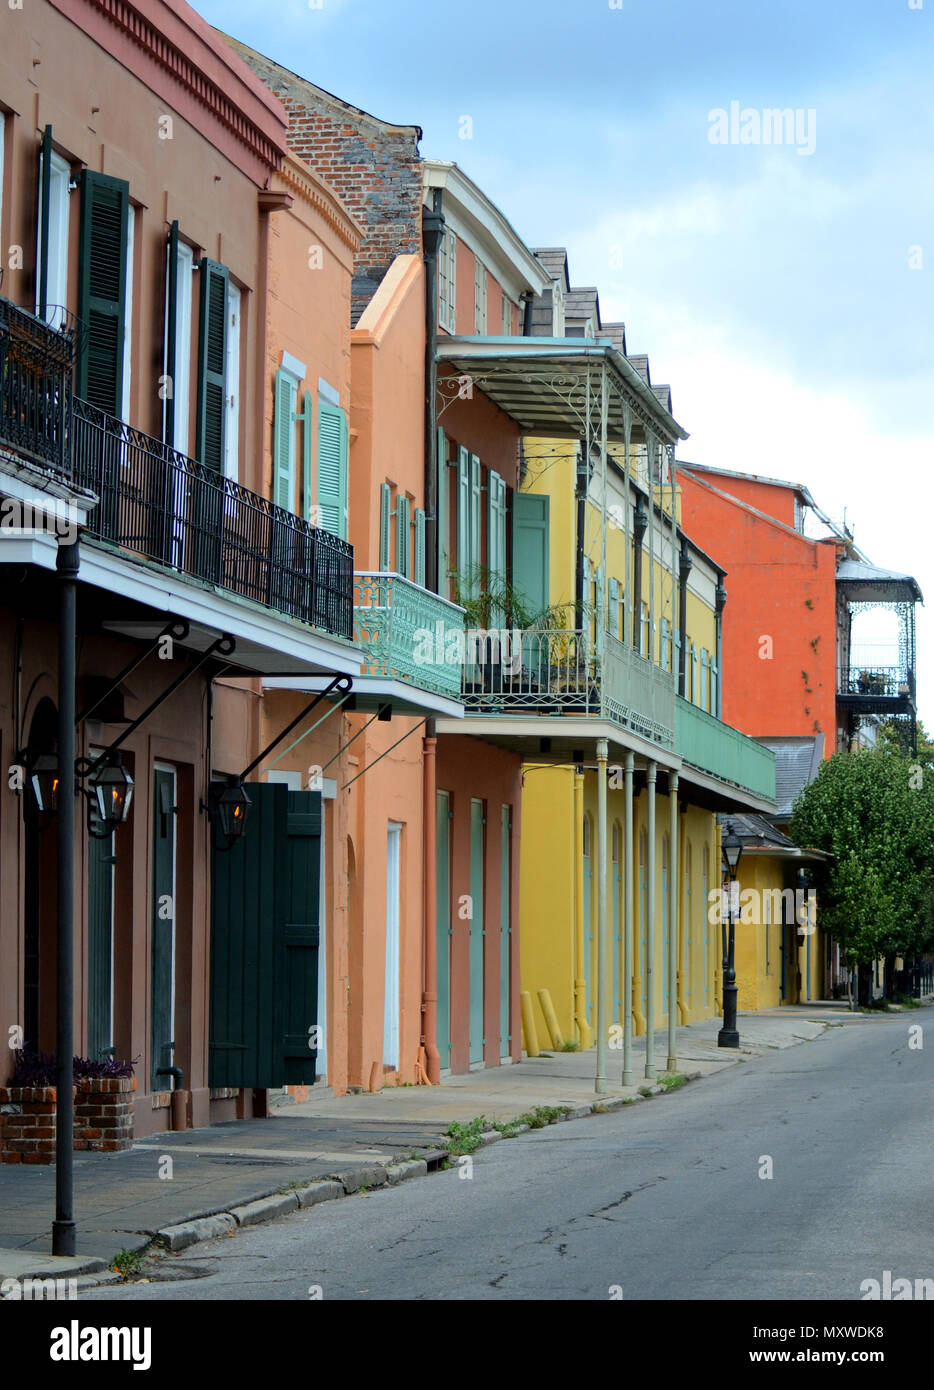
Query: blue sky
(786,297)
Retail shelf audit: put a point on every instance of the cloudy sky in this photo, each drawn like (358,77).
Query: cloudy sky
(784,291)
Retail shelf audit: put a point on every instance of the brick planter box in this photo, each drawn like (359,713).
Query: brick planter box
(103,1119)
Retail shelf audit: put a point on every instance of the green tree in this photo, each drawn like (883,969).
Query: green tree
(873,810)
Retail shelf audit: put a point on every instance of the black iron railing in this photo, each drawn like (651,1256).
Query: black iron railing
(876,681)
(164,506)
(35,387)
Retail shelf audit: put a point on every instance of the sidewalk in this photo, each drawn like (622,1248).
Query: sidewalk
(122,1201)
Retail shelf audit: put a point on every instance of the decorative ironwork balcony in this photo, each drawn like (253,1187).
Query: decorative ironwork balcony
(709,744)
(35,387)
(165,507)
(408,633)
(556,672)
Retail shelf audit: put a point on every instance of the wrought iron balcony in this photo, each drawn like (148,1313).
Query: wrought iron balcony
(408,633)
(163,506)
(878,689)
(552,672)
(35,388)
(709,744)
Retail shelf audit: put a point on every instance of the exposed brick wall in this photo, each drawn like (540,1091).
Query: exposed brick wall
(103,1119)
(372,166)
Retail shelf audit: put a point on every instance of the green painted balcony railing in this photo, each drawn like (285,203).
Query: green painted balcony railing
(408,633)
(553,671)
(714,747)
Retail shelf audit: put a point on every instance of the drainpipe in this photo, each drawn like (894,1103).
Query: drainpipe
(720,605)
(685,565)
(639,524)
(430,954)
(432,232)
(717,957)
(527,298)
(649,963)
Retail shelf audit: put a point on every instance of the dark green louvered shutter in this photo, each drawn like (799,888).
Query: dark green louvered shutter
(402,536)
(105,210)
(464,578)
(332,468)
(385,515)
(418,569)
(283,442)
(212,366)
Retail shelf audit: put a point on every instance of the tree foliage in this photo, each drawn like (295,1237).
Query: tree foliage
(873,810)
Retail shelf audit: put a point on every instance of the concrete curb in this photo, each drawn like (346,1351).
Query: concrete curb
(347,1181)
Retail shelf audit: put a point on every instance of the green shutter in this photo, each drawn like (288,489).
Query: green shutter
(612,615)
(385,515)
(475,505)
(283,442)
(444,563)
(307,416)
(496,537)
(530,549)
(332,468)
(418,570)
(463,522)
(105,211)
(402,536)
(212,367)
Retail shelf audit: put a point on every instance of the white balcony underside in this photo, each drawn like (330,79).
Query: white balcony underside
(373,691)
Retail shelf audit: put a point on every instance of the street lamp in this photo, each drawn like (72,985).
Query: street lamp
(110,794)
(732,848)
(231,807)
(45,781)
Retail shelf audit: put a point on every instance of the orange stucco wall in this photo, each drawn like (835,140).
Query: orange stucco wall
(779,623)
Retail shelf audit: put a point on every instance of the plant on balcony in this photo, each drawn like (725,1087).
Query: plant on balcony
(491,601)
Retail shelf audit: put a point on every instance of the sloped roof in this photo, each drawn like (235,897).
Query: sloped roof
(663,393)
(555,261)
(641,363)
(616,332)
(756,828)
(797,763)
(869,583)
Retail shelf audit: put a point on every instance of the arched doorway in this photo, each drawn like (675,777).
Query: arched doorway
(40,895)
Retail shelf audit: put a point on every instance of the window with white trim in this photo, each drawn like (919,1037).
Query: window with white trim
(57,284)
(447,282)
(479,296)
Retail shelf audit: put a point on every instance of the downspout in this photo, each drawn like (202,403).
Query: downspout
(720,605)
(432,232)
(430,953)
(527,299)
(685,565)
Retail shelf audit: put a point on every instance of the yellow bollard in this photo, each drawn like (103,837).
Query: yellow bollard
(551,1019)
(528,1024)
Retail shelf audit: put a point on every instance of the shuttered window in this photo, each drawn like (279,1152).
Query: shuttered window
(479,296)
(332,468)
(463,520)
(496,526)
(52,238)
(447,286)
(105,207)
(418,567)
(402,536)
(385,522)
(444,562)
(210,446)
(612,612)
(283,441)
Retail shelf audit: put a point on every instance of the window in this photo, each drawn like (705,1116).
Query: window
(468,520)
(52,242)
(176,407)
(232,384)
(479,296)
(447,282)
(506,326)
(283,441)
(102,290)
(211,440)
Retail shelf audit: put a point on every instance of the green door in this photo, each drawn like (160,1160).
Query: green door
(162,980)
(100,945)
(530,570)
(476,930)
(443,928)
(505,931)
(265,924)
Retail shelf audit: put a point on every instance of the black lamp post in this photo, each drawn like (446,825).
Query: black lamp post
(732,847)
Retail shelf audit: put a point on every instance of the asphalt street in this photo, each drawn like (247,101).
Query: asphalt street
(667,1199)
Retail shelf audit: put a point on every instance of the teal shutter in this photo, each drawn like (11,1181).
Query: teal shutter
(666,644)
(385,514)
(418,569)
(212,367)
(475,505)
(402,536)
(530,528)
(283,442)
(612,616)
(306,417)
(463,522)
(332,468)
(496,537)
(444,563)
(599,605)
(105,211)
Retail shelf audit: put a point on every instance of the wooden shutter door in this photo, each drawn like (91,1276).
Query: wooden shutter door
(212,366)
(332,468)
(105,210)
